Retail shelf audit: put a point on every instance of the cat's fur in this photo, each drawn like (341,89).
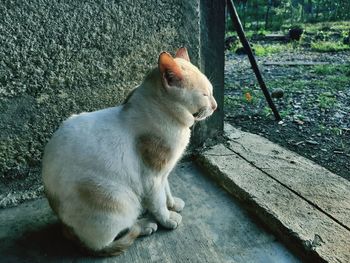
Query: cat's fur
(102,169)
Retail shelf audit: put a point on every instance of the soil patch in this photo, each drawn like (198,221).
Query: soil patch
(315,105)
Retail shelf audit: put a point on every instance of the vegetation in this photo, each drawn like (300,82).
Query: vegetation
(314,75)
(326,100)
(279,14)
(327,69)
(320,37)
(264,50)
(328,46)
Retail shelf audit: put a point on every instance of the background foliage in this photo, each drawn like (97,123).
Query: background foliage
(280,14)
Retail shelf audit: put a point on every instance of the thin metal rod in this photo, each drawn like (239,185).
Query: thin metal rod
(238,26)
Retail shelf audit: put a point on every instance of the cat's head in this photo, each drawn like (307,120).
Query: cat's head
(185,84)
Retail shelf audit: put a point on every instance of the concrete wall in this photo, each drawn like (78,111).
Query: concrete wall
(64,57)
(212,62)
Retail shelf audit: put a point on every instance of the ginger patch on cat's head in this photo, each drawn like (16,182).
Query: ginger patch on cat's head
(185,84)
(170,71)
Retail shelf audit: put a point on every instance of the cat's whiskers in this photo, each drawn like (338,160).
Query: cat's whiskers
(213,82)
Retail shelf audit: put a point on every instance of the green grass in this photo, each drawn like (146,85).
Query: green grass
(339,82)
(336,131)
(326,101)
(330,130)
(265,50)
(332,69)
(342,26)
(288,85)
(267,111)
(231,102)
(325,69)
(235,46)
(328,46)
(334,77)
(336,26)
(253,93)
(236,101)
(334,82)
(284,112)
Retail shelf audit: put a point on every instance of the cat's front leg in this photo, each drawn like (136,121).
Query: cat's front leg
(157,205)
(173,203)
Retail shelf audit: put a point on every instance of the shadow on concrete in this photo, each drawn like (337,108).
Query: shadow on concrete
(45,243)
(214,229)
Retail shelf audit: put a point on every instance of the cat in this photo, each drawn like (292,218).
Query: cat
(102,169)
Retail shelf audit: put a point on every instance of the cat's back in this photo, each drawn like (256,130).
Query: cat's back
(88,123)
(89,127)
(88,140)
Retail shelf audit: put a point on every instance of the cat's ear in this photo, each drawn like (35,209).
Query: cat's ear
(170,72)
(182,53)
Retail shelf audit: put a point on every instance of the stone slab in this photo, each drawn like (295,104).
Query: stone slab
(305,229)
(214,229)
(325,190)
(294,63)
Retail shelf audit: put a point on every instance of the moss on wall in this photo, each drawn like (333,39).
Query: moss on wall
(64,57)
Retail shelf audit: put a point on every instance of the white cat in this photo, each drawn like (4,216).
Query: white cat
(102,169)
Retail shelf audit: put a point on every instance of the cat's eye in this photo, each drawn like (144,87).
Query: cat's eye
(205,95)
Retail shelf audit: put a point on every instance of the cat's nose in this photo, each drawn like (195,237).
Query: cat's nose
(214,105)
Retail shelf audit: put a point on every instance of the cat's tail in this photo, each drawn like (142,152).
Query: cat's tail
(119,245)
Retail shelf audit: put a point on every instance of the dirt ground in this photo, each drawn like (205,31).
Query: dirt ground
(315,106)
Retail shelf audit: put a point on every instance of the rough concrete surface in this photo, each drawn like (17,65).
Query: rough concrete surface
(303,226)
(212,62)
(214,229)
(64,57)
(328,191)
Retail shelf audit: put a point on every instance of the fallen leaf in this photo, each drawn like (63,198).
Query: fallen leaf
(248,96)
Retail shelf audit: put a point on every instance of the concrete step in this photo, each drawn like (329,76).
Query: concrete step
(214,229)
(304,204)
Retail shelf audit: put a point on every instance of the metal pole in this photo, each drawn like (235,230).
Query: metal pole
(238,26)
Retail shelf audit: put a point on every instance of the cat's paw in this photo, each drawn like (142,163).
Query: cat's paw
(173,221)
(177,205)
(148,227)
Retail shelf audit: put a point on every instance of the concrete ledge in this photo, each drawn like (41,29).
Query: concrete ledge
(305,205)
